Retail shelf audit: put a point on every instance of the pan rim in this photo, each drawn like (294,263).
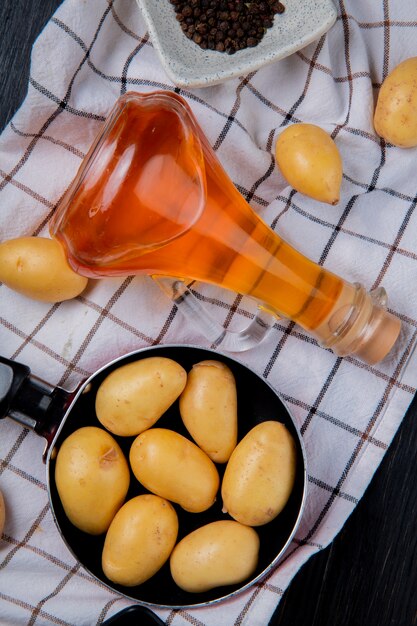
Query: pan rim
(248,584)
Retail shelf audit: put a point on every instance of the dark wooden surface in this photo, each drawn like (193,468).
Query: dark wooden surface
(368,576)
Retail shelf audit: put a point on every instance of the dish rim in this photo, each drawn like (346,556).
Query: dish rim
(219,75)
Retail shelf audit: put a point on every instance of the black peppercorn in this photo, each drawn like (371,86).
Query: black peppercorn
(226,25)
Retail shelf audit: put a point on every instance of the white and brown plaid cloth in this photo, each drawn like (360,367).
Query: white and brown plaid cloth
(90,53)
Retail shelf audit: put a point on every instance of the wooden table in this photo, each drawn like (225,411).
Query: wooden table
(368,576)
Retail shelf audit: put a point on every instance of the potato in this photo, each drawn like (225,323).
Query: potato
(310,162)
(92,478)
(395,118)
(37,268)
(221,553)
(139,540)
(171,466)
(133,397)
(208,407)
(2,514)
(260,474)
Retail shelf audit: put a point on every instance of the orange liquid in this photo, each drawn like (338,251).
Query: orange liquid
(152,198)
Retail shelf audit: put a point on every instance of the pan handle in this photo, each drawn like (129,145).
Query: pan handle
(31,401)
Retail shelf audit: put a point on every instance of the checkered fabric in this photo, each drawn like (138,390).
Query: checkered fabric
(90,53)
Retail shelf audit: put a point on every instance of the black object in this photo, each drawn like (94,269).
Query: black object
(135,615)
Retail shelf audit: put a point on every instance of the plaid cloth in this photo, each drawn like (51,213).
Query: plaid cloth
(89,54)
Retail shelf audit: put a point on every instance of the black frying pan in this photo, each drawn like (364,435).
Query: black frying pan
(55,414)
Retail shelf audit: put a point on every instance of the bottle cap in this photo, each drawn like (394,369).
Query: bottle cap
(362,326)
(379,336)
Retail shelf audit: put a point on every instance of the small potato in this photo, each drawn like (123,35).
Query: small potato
(92,478)
(220,553)
(395,118)
(310,162)
(133,397)
(208,407)
(2,514)
(139,540)
(260,474)
(37,268)
(174,468)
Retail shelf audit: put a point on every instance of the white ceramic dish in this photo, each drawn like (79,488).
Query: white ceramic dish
(188,65)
